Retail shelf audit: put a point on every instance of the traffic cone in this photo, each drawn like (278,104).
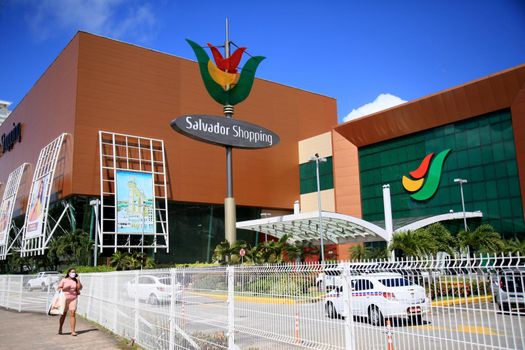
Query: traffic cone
(389,341)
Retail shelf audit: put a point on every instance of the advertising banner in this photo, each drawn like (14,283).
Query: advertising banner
(35,209)
(6,210)
(135,202)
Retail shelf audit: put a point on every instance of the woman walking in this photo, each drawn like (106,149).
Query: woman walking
(71,287)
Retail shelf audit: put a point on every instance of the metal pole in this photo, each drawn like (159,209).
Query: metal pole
(229,201)
(94,204)
(463,205)
(319,207)
(461,182)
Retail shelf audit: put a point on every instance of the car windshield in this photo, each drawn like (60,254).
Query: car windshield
(395,282)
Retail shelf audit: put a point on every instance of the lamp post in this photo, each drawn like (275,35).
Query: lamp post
(461,182)
(318,160)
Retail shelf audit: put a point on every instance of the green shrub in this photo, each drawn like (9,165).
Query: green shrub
(88,269)
(210,281)
(281,285)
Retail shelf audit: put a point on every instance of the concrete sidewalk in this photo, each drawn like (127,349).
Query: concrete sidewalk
(27,330)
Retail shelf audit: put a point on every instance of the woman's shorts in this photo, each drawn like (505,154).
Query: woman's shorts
(71,305)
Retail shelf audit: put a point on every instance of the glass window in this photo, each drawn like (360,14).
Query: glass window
(362,284)
(395,282)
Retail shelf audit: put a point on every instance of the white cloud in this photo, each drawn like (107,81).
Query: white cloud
(117,19)
(383,101)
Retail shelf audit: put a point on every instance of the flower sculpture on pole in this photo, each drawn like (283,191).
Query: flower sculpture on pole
(222,80)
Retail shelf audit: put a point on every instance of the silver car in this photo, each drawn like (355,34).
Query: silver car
(508,289)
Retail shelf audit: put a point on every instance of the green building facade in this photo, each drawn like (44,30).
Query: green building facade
(482,152)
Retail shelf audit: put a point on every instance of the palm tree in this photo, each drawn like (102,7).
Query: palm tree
(444,240)
(482,240)
(357,252)
(515,246)
(418,243)
(307,249)
(222,253)
(72,247)
(119,260)
(143,260)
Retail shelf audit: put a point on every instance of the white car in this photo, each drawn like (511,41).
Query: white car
(43,280)
(153,289)
(508,289)
(378,296)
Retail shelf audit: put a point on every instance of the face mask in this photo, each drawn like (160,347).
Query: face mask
(72,275)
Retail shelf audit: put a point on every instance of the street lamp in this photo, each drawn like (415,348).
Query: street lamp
(461,182)
(265,215)
(318,160)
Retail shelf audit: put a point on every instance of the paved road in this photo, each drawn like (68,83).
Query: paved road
(260,325)
(28,330)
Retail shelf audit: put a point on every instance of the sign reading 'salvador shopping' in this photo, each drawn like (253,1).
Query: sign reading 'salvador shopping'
(225,131)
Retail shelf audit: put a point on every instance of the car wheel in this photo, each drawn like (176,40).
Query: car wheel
(504,306)
(375,317)
(330,310)
(416,320)
(152,300)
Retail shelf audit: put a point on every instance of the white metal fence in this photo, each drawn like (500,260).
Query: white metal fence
(412,304)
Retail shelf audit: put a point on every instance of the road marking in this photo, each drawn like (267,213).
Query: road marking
(461,329)
(477,330)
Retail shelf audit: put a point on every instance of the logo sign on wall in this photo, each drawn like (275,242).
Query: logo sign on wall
(225,131)
(424,181)
(37,203)
(8,140)
(135,202)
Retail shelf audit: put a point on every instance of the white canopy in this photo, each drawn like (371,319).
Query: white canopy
(339,228)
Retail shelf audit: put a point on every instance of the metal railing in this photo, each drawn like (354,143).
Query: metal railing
(457,303)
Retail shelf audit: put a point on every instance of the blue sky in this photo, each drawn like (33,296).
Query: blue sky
(351,50)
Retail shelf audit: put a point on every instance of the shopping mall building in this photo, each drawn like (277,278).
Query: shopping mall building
(98,86)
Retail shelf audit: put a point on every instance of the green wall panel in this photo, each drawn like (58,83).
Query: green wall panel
(308,177)
(483,152)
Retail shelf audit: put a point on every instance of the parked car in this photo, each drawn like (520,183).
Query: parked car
(43,280)
(377,296)
(331,276)
(508,289)
(153,289)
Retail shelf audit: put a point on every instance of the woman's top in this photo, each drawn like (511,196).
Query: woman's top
(69,287)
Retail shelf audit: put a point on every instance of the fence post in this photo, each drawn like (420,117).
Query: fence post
(6,292)
(173,300)
(20,290)
(231,307)
(136,323)
(349,318)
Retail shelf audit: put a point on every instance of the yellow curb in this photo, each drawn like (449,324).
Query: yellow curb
(252,299)
(288,301)
(459,301)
